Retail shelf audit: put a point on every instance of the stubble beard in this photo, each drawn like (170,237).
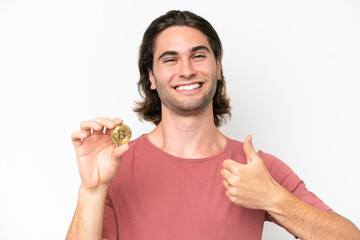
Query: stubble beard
(186,109)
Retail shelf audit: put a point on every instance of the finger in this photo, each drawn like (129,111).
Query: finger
(229,177)
(87,125)
(231,197)
(225,184)
(227,194)
(108,131)
(106,122)
(249,149)
(225,174)
(116,121)
(117,154)
(78,136)
(232,166)
(232,190)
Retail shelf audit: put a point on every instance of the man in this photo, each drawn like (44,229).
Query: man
(185,179)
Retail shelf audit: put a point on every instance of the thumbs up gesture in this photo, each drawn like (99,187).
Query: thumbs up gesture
(249,185)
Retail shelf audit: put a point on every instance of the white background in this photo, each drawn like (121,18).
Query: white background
(292,70)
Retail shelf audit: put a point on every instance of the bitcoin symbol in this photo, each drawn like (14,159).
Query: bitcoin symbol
(121,134)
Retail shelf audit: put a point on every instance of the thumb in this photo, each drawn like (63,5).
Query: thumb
(118,152)
(249,149)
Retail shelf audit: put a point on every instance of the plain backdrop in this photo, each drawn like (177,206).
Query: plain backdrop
(292,72)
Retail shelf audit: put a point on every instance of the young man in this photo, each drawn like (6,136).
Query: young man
(185,179)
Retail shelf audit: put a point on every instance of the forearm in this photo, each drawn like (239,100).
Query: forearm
(307,222)
(88,218)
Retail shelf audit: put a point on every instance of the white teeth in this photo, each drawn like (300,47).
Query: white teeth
(188,87)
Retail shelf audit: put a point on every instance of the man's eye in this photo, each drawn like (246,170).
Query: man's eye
(199,56)
(169,60)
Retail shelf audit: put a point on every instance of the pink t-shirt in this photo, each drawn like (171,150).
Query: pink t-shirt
(159,196)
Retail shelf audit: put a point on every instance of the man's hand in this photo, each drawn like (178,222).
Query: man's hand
(249,185)
(97,156)
(98,160)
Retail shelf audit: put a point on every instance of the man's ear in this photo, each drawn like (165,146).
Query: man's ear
(152,79)
(218,66)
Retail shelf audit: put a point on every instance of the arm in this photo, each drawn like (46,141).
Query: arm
(252,186)
(98,160)
(308,222)
(88,217)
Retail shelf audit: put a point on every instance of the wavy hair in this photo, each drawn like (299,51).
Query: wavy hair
(149,108)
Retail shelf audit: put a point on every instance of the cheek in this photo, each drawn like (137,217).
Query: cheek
(208,68)
(164,74)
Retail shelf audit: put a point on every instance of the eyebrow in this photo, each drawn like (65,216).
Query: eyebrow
(174,53)
(194,49)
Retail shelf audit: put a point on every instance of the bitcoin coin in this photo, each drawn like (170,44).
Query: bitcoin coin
(121,134)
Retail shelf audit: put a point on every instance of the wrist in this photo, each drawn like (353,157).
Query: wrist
(276,199)
(98,191)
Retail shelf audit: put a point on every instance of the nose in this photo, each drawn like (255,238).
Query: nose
(186,69)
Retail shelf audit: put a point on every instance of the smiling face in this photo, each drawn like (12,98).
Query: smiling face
(185,71)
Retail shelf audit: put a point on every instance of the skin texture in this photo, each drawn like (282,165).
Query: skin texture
(183,57)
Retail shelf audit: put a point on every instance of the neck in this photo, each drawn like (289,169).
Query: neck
(188,137)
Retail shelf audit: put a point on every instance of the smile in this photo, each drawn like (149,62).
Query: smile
(189,87)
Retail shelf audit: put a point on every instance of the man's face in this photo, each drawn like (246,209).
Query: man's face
(185,71)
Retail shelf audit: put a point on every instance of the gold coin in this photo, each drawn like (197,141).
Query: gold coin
(121,134)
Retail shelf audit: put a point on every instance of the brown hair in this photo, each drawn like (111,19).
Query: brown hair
(149,108)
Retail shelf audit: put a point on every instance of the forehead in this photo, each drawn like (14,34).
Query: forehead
(179,39)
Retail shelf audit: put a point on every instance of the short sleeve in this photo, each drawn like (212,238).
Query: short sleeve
(283,175)
(109,222)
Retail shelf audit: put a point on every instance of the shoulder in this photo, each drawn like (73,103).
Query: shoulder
(136,146)
(280,171)
(138,142)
